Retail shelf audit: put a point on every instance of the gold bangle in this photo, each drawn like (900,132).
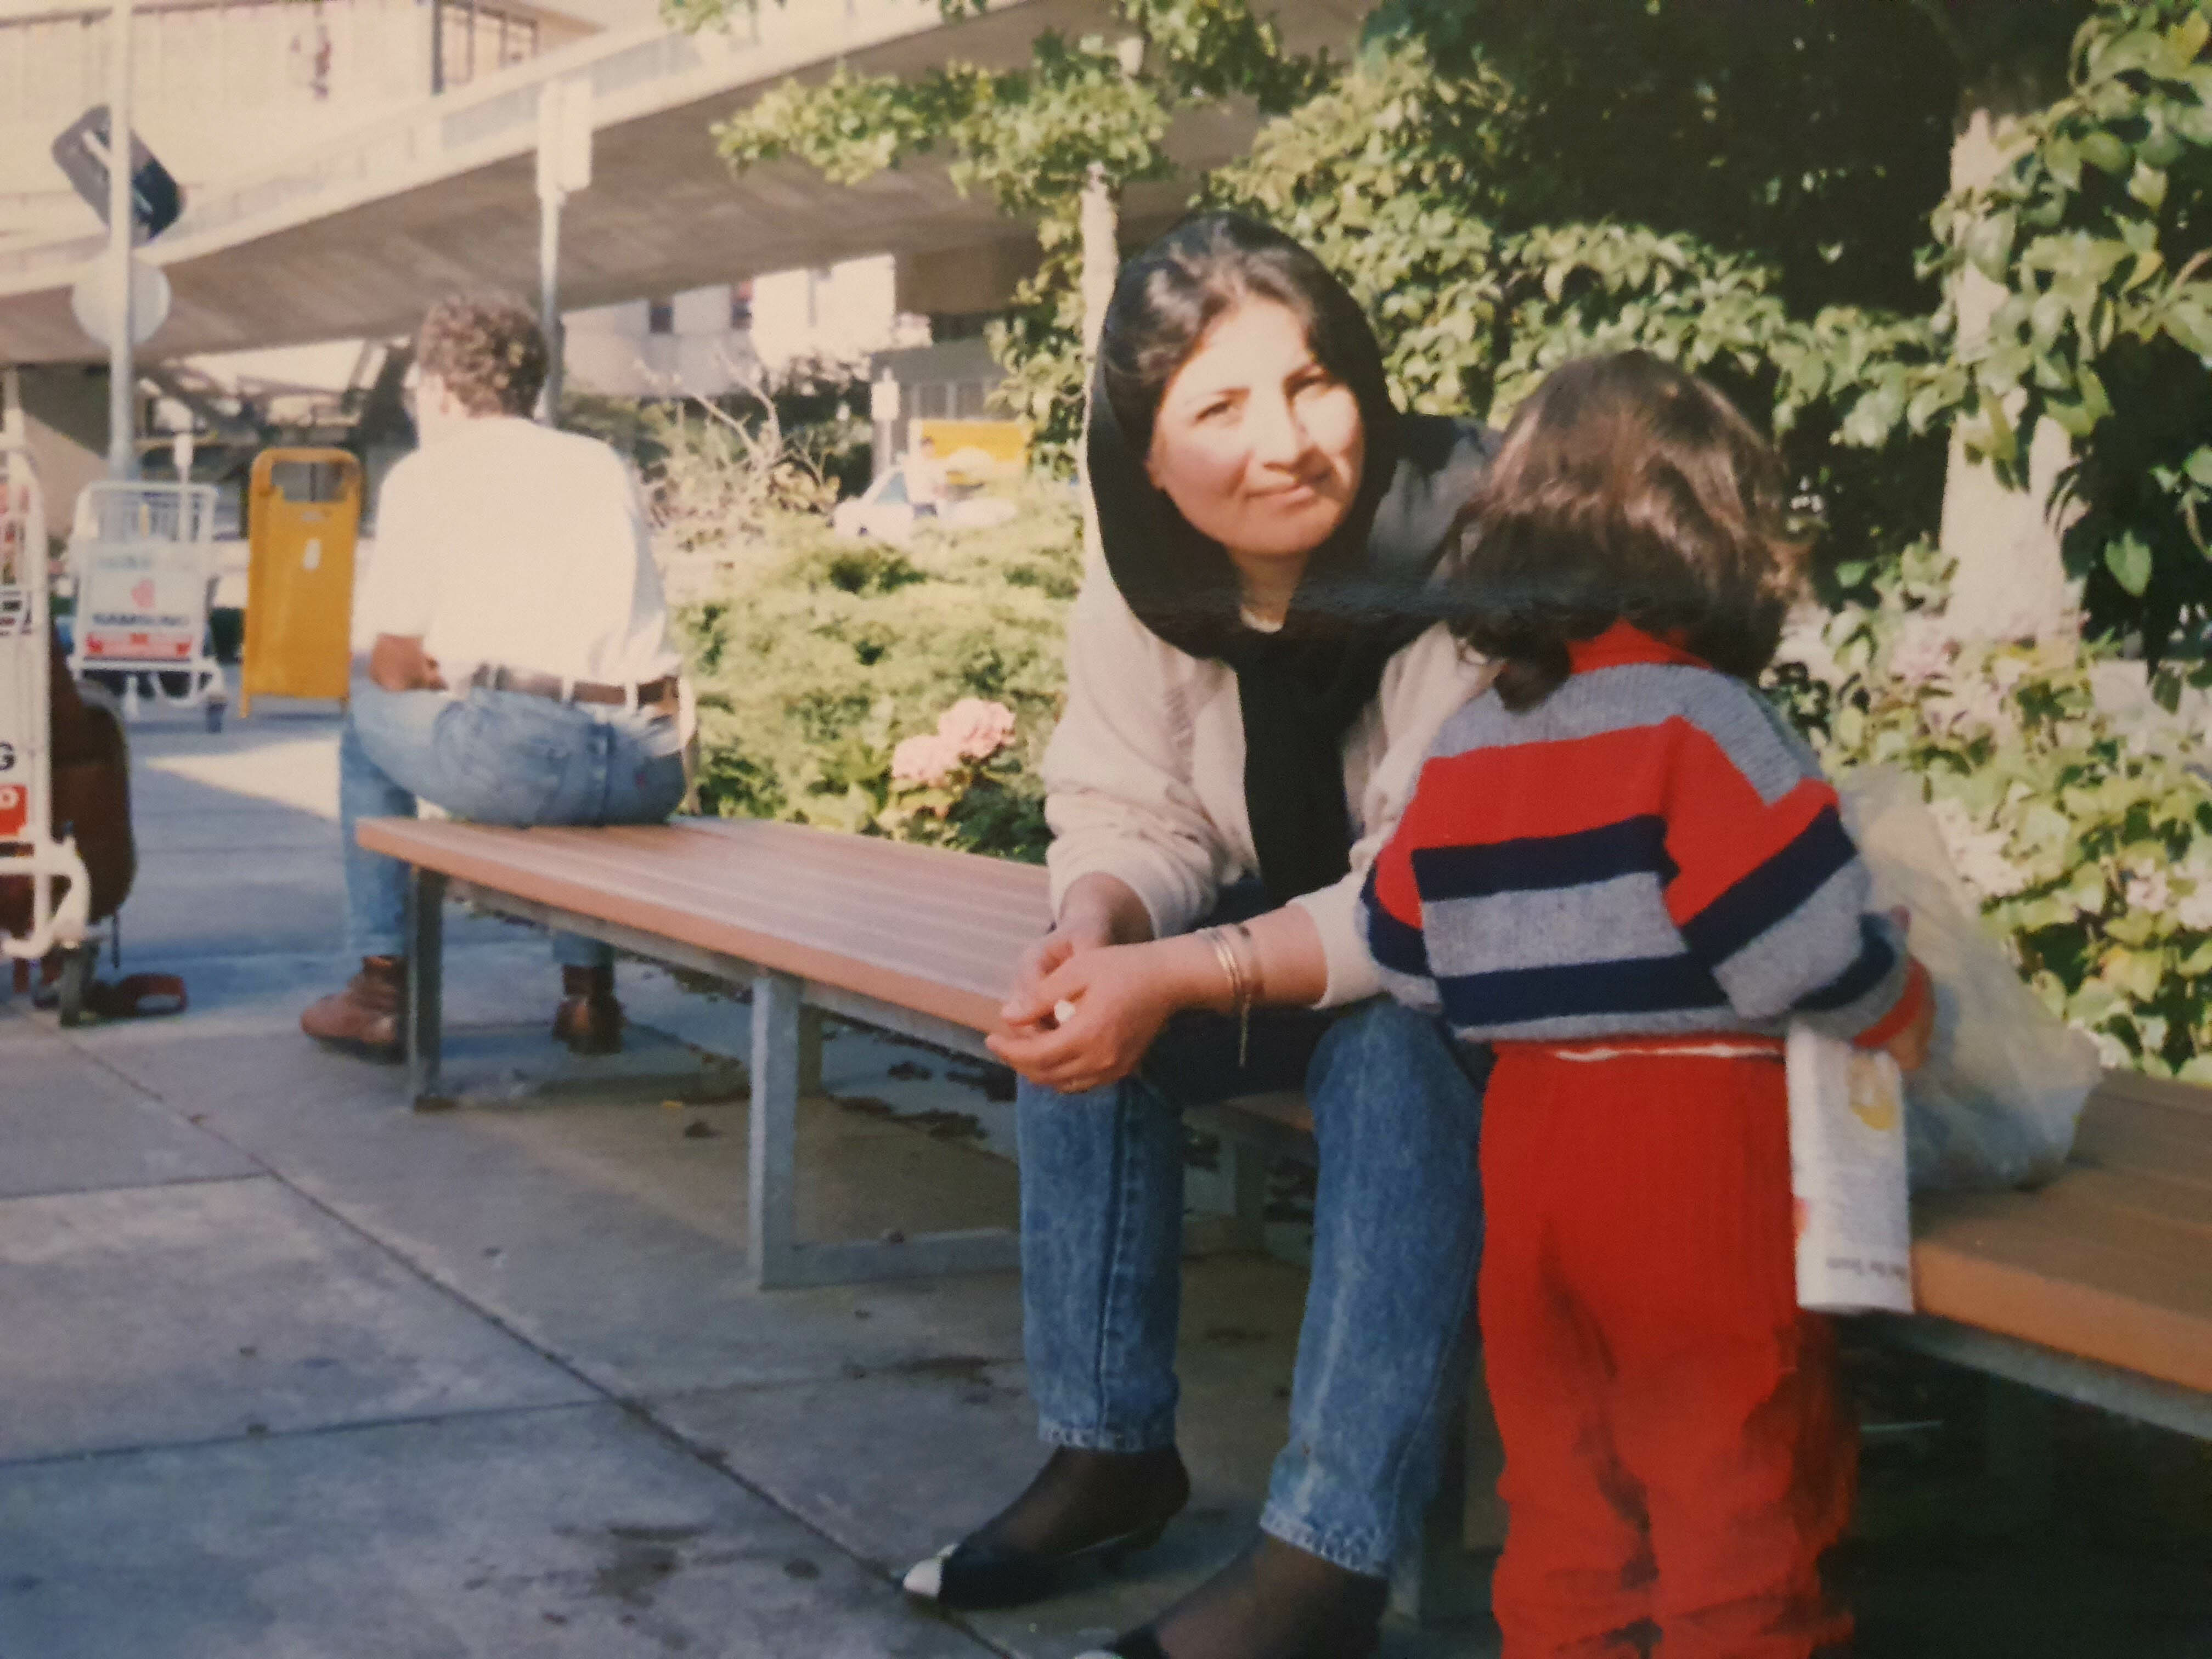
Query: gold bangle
(1256,978)
(1232,969)
(1240,988)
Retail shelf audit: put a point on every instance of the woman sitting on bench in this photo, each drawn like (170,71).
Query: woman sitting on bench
(1253,681)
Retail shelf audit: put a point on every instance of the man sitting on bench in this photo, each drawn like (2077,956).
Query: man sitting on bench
(520,673)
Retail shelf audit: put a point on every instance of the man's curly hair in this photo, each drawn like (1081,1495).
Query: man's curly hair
(487,350)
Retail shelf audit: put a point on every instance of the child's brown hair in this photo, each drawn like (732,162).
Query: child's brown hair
(1626,490)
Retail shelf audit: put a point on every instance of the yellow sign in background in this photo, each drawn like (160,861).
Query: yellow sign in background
(303,517)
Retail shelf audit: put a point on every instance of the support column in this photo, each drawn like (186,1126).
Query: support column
(2011,581)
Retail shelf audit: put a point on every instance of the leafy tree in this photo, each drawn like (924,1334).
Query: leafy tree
(2100,233)
(1085,114)
(1812,136)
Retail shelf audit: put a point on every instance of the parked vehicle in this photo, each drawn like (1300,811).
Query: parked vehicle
(888,510)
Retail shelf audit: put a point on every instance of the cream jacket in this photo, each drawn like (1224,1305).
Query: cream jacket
(1145,773)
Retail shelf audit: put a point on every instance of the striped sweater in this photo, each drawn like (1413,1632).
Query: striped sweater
(1648,852)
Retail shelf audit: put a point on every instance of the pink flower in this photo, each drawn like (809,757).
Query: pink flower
(927,759)
(977,729)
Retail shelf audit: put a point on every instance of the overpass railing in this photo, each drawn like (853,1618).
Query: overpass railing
(632,73)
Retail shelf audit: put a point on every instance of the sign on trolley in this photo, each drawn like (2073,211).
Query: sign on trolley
(143,558)
(60,888)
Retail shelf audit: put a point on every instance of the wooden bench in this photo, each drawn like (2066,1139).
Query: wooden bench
(2097,1288)
(909,939)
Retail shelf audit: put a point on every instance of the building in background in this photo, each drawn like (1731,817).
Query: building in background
(213,82)
(219,82)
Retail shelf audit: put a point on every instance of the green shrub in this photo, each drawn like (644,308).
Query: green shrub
(2073,802)
(815,656)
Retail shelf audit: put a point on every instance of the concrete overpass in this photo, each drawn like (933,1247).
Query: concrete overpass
(356,237)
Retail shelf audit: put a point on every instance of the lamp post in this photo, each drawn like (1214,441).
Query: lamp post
(122,370)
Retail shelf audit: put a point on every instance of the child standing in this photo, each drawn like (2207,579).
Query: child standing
(1624,872)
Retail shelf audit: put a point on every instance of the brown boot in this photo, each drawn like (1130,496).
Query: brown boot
(589,1019)
(364,1018)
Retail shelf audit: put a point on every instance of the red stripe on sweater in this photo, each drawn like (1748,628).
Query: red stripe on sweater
(1720,830)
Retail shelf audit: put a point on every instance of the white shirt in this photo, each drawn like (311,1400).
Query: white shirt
(508,542)
(1144,775)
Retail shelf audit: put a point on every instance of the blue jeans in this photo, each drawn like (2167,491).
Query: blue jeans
(1397,1239)
(491,758)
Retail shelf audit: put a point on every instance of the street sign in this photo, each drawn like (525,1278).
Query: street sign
(92,300)
(564,139)
(82,152)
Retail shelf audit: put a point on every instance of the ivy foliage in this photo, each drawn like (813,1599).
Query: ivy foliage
(1029,137)
(1807,135)
(1409,182)
(2073,803)
(2099,234)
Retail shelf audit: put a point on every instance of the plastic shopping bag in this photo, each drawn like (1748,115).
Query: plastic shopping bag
(1997,1103)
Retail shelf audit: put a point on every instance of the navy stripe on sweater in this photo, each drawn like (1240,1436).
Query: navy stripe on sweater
(1775,889)
(1394,945)
(1629,846)
(1876,959)
(1514,996)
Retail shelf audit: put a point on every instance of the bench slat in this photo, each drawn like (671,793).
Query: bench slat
(700,847)
(2125,1135)
(835,905)
(866,953)
(1990,1261)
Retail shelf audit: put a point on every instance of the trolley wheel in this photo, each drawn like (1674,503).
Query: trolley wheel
(76,974)
(215,717)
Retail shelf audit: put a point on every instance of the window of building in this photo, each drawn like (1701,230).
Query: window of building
(660,316)
(469,38)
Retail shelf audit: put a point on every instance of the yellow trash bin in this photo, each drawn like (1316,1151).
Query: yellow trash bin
(303,516)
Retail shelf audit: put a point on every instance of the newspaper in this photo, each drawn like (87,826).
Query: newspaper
(1847,1173)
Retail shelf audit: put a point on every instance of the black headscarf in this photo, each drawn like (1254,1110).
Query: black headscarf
(1365,592)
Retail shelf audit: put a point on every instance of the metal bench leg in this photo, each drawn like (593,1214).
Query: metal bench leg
(2018,1453)
(1447,1575)
(424,1015)
(1244,1167)
(771,1224)
(810,1051)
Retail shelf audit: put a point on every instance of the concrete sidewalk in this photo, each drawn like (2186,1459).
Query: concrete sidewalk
(287,1369)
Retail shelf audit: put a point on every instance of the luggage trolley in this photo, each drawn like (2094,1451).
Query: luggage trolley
(28,847)
(143,557)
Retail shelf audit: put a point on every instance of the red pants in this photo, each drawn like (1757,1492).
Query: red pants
(1677,1457)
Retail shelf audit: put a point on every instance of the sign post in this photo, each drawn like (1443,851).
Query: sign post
(565,165)
(122,367)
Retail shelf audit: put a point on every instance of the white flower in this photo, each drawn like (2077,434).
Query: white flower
(2196,910)
(1805,642)
(1977,852)
(2147,890)
(1921,651)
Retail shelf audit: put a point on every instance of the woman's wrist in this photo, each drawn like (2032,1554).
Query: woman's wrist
(1192,973)
(1101,909)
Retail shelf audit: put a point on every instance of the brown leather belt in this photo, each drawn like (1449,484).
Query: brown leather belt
(651,693)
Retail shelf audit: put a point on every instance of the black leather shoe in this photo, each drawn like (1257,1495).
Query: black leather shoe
(1275,1602)
(973,1578)
(1075,1497)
